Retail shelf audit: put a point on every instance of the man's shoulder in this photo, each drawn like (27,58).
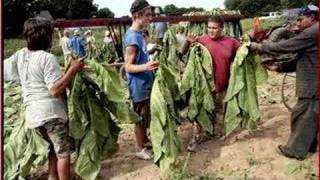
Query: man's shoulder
(45,56)
(232,40)
(203,37)
(22,51)
(65,39)
(131,36)
(313,29)
(229,38)
(76,38)
(42,53)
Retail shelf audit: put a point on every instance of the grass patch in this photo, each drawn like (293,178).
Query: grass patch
(12,45)
(247,24)
(301,169)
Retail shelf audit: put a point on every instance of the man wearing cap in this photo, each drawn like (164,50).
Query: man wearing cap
(159,28)
(107,39)
(303,136)
(91,41)
(66,48)
(140,72)
(109,45)
(77,43)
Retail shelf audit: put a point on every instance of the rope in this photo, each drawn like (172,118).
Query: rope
(282,92)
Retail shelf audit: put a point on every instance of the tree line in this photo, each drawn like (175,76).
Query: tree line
(253,8)
(17,11)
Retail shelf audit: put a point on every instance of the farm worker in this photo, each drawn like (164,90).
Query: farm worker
(43,88)
(91,47)
(159,28)
(222,50)
(151,48)
(77,43)
(90,40)
(140,72)
(66,47)
(107,39)
(108,43)
(305,113)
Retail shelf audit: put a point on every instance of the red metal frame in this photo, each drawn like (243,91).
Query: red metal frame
(127,20)
(123,22)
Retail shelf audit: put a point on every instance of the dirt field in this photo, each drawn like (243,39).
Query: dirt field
(242,155)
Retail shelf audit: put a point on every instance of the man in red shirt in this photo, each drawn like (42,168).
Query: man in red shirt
(222,50)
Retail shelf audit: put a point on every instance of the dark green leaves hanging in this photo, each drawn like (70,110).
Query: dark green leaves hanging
(197,80)
(165,92)
(95,95)
(165,141)
(242,99)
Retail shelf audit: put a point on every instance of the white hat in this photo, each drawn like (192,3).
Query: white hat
(65,31)
(87,32)
(107,33)
(76,32)
(157,10)
(313,8)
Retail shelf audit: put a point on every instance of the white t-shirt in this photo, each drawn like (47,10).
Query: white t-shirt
(65,45)
(37,72)
(91,40)
(150,46)
(107,40)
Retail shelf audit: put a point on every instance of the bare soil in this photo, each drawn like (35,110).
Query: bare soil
(245,154)
(242,155)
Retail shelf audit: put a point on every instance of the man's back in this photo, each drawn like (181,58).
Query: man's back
(159,28)
(65,45)
(306,45)
(77,45)
(37,71)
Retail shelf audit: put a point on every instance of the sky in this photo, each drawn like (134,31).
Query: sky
(121,7)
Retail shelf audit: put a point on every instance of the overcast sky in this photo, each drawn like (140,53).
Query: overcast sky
(121,7)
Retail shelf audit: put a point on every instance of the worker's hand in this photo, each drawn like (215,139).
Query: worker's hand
(77,65)
(151,65)
(272,66)
(192,39)
(255,46)
(158,47)
(257,35)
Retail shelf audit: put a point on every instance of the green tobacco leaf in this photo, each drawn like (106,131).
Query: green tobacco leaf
(158,116)
(89,158)
(242,98)
(294,167)
(78,119)
(164,138)
(109,81)
(24,150)
(198,80)
(110,84)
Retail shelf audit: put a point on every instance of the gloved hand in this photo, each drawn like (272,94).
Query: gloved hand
(255,46)
(272,66)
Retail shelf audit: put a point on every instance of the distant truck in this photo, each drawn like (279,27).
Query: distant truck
(272,15)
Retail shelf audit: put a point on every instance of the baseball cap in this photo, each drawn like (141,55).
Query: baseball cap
(308,10)
(87,32)
(76,32)
(138,5)
(107,33)
(65,31)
